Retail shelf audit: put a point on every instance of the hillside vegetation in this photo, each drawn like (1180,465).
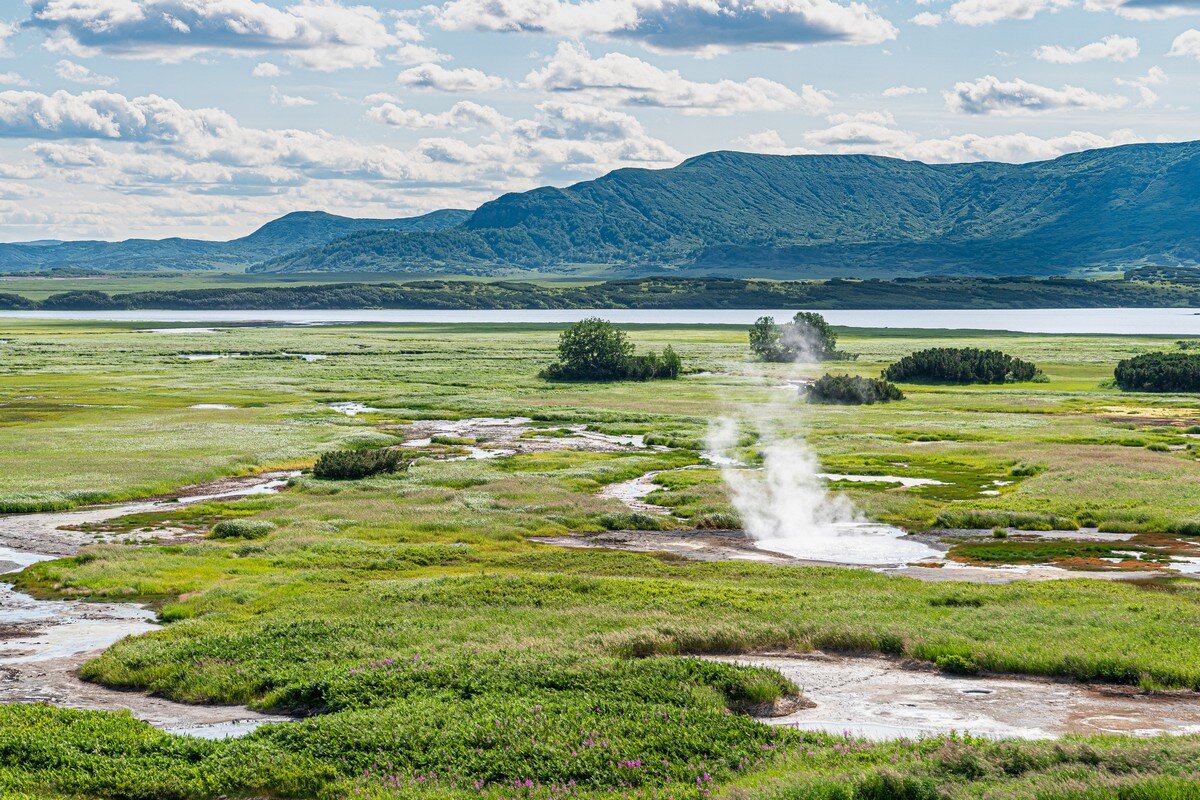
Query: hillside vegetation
(746,214)
(928,293)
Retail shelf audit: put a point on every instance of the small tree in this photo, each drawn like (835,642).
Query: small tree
(592,348)
(808,336)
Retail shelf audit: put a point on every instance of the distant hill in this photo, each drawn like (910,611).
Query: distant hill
(296,231)
(728,213)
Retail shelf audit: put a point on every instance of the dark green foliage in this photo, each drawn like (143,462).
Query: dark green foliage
(852,390)
(808,337)
(820,216)
(961,365)
(349,465)
(651,293)
(1159,372)
(594,349)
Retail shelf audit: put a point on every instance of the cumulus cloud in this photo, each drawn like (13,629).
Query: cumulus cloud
(159,137)
(1186,44)
(927,19)
(990,95)
(417,54)
(885,140)
(318,34)
(986,12)
(904,91)
(266,70)
(439,78)
(1154,77)
(463,115)
(12,79)
(633,82)
(77,73)
(702,27)
(1110,48)
(278,98)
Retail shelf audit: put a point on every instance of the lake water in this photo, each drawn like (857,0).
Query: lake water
(1163,321)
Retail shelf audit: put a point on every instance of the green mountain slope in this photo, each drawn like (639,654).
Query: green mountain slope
(813,216)
(289,233)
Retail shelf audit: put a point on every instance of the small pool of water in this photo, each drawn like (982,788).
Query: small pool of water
(868,544)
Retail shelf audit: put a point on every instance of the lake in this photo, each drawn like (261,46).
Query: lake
(1162,321)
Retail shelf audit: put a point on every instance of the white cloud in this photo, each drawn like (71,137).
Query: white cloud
(985,12)
(463,115)
(990,95)
(278,98)
(77,73)
(633,82)
(12,79)
(1154,77)
(1186,44)
(439,78)
(417,54)
(266,70)
(1110,48)
(884,140)
(703,27)
(318,34)
(153,139)
(1145,10)
(904,91)
(7,31)
(927,19)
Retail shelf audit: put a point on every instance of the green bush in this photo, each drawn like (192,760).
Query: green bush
(242,529)
(1159,372)
(961,365)
(348,465)
(596,350)
(852,390)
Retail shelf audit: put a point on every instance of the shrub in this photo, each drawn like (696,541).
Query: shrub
(1159,372)
(242,529)
(956,664)
(961,365)
(632,521)
(595,350)
(852,390)
(807,337)
(348,465)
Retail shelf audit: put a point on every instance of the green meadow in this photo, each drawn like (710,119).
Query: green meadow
(432,650)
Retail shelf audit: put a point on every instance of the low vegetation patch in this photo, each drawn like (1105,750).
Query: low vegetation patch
(961,365)
(852,390)
(1159,372)
(348,465)
(242,529)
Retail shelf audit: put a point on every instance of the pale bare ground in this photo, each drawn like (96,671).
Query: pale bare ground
(886,698)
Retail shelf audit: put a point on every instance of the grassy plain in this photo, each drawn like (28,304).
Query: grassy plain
(441,653)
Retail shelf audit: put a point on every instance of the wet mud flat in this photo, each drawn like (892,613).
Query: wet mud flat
(43,643)
(885,698)
(738,546)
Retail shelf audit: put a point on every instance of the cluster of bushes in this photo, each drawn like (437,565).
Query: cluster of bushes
(349,465)
(596,350)
(852,390)
(1159,372)
(807,337)
(961,365)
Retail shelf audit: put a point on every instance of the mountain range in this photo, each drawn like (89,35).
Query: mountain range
(293,232)
(730,213)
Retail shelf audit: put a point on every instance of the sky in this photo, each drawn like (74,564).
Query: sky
(207,118)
